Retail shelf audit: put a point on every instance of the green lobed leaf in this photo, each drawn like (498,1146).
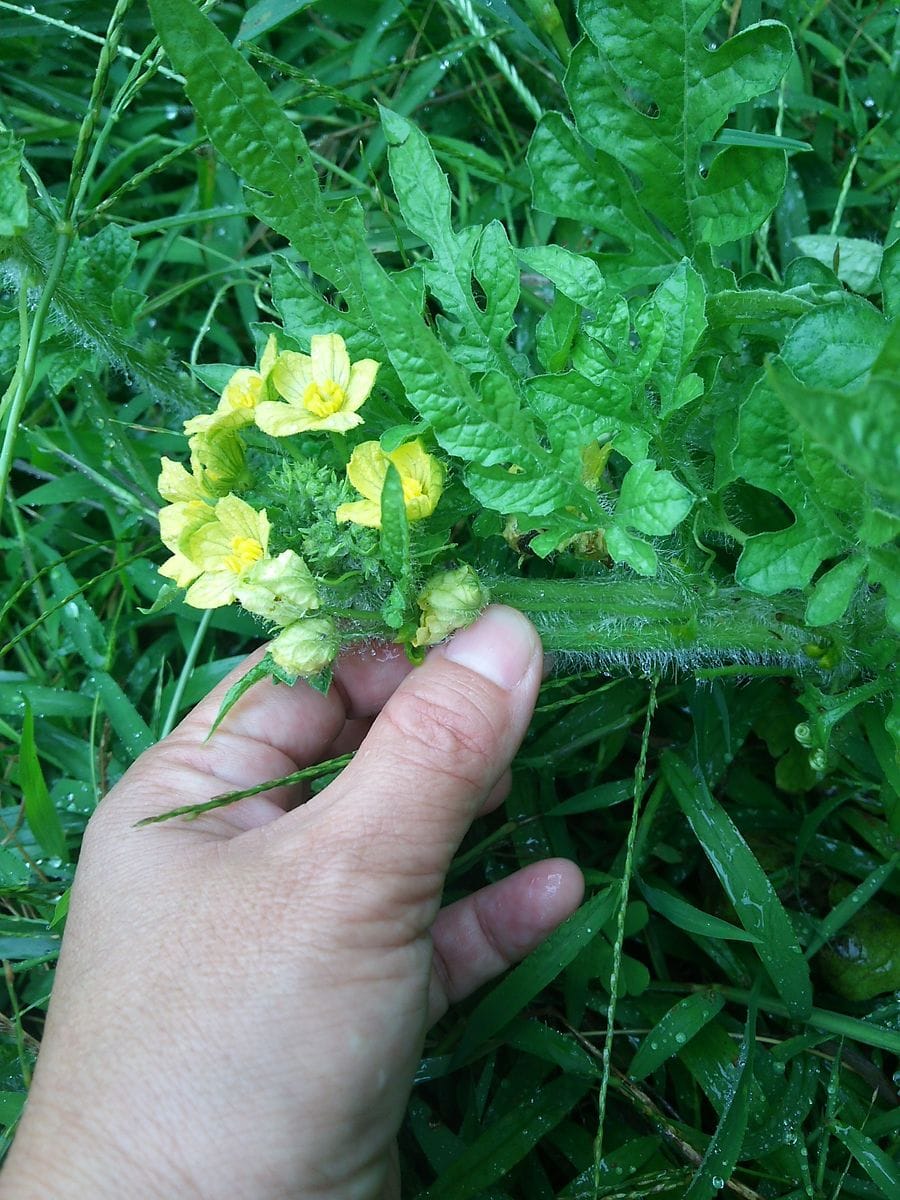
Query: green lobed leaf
(833,592)
(251,132)
(856,261)
(570,178)
(754,899)
(423,194)
(647,91)
(651,501)
(858,428)
(679,304)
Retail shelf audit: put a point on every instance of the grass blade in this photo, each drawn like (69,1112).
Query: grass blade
(674,1030)
(749,890)
(881,1169)
(42,817)
(538,970)
(508,1141)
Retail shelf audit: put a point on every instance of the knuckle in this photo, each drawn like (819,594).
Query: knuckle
(454,732)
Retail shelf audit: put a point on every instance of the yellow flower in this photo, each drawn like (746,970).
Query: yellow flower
(449,601)
(213,548)
(217,463)
(420,473)
(239,399)
(280,589)
(176,523)
(218,459)
(306,647)
(322,389)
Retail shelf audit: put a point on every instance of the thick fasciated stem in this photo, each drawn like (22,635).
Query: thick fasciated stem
(659,623)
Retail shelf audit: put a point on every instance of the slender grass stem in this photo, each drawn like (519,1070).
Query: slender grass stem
(624,887)
(185,673)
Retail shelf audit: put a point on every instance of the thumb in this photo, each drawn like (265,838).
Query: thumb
(439,745)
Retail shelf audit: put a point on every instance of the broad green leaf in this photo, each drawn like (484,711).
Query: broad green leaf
(767,448)
(856,261)
(572,179)
(633,551)
(13,194)
(575,276)
(832,594)
(651,501)
(42,817)
(674,1030)
(423,194)
(539,969)
(880,1167)
(647,91)
(505,1143)
(754,899)
(741,189)
(678,303)
(837,345)
(858,428)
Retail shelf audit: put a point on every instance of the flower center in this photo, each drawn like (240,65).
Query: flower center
(412,489)
(245,552)
(323,399)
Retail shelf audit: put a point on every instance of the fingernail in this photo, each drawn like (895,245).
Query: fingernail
(501,646)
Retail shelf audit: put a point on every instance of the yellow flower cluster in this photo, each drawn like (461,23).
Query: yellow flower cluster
(220,544)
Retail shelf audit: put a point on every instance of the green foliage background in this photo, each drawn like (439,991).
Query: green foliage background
(551,238)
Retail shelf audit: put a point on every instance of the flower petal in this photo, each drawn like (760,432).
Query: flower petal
(212,590)
(240,519)
(367,469)
(180,570)
(242,393)
(292,375)
(362,380)
(330,360)
(269,357)
(177,483)
(179,521)
(414,462)
(281,420)
(361,512)
(338,422)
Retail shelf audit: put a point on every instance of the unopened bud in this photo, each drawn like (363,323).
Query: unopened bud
(449,601)
(280,589)
(306,647)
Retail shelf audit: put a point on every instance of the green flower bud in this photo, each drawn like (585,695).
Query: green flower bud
(280,589)
(306,647)
(449,601)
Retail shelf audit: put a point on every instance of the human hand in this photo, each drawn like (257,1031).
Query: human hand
(241,999)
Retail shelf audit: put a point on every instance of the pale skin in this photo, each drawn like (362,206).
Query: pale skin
(242,1000)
